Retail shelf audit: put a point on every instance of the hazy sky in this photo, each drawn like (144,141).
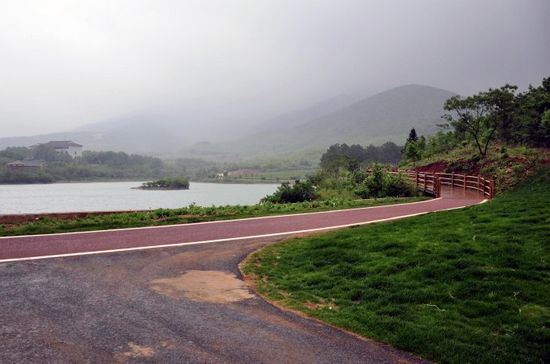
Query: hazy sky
(67,63)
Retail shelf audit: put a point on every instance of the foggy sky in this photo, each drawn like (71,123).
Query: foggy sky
(64,64)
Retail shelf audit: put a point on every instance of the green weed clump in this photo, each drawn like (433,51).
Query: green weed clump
(463,286)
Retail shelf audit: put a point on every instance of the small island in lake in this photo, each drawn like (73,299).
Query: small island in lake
(166,184)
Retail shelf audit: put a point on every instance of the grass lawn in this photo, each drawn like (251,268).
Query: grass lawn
(188,214)
(462,286)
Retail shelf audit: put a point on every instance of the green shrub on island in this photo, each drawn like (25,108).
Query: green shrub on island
(166,184)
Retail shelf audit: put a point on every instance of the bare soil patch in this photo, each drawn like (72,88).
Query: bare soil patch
(204,286)
(134,351)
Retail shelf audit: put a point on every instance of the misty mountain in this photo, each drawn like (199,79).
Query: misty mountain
(151,132)
(173,131)
(297,117)
(387,116)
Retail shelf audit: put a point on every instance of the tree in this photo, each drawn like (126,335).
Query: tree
(341,157)
(336,159)
(502,114)
(13,153)
(412,136)
(389,153)
(504,110)
(545,127)
(473,115)
(532,122)
(411,152)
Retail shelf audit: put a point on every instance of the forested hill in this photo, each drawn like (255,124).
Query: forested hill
(387,116)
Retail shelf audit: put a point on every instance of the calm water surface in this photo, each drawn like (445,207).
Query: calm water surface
(112,196)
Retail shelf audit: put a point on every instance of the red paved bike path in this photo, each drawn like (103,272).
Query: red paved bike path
(101,241)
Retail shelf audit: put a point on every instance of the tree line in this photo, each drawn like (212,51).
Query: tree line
(500,116)
(342,174)
(352,157)
(91,165)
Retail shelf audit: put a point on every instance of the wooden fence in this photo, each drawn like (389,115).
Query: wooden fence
(431,183)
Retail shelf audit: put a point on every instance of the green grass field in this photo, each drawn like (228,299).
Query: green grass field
(463,286)
(187,214)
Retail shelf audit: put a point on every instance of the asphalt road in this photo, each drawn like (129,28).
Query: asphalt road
(176,304)
(265,227)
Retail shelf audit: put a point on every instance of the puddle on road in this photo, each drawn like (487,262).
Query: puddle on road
(204,286)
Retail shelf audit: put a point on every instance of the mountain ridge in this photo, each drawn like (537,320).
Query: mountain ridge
(385,116)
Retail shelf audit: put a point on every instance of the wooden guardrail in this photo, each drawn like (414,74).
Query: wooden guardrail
(432,182)
(482,185)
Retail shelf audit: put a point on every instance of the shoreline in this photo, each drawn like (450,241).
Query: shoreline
(141,181)
(159,188)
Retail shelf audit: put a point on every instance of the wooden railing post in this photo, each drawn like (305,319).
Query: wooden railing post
(452,180)
(464,181)
(425,182)
(416,180)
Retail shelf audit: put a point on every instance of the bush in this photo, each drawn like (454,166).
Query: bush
(398,185)
(297,192)
(375,183)
(381,184)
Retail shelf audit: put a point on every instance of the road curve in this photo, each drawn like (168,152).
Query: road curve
(138,306)
(95,242)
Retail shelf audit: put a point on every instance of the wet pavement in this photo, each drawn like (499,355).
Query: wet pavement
(109,308)
(21,247)
(176,304)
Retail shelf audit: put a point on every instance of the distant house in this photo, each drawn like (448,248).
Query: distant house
(243,173)
(31,165)
(66,146)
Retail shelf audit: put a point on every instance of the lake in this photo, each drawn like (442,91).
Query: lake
(113,196)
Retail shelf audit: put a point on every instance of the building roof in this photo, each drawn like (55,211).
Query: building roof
(31,163)
(62,144)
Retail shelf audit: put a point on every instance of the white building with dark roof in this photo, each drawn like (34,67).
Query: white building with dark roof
(66,146)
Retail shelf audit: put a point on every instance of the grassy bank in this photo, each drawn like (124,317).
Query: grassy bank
(184,215)
(507,166)
(464,286)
